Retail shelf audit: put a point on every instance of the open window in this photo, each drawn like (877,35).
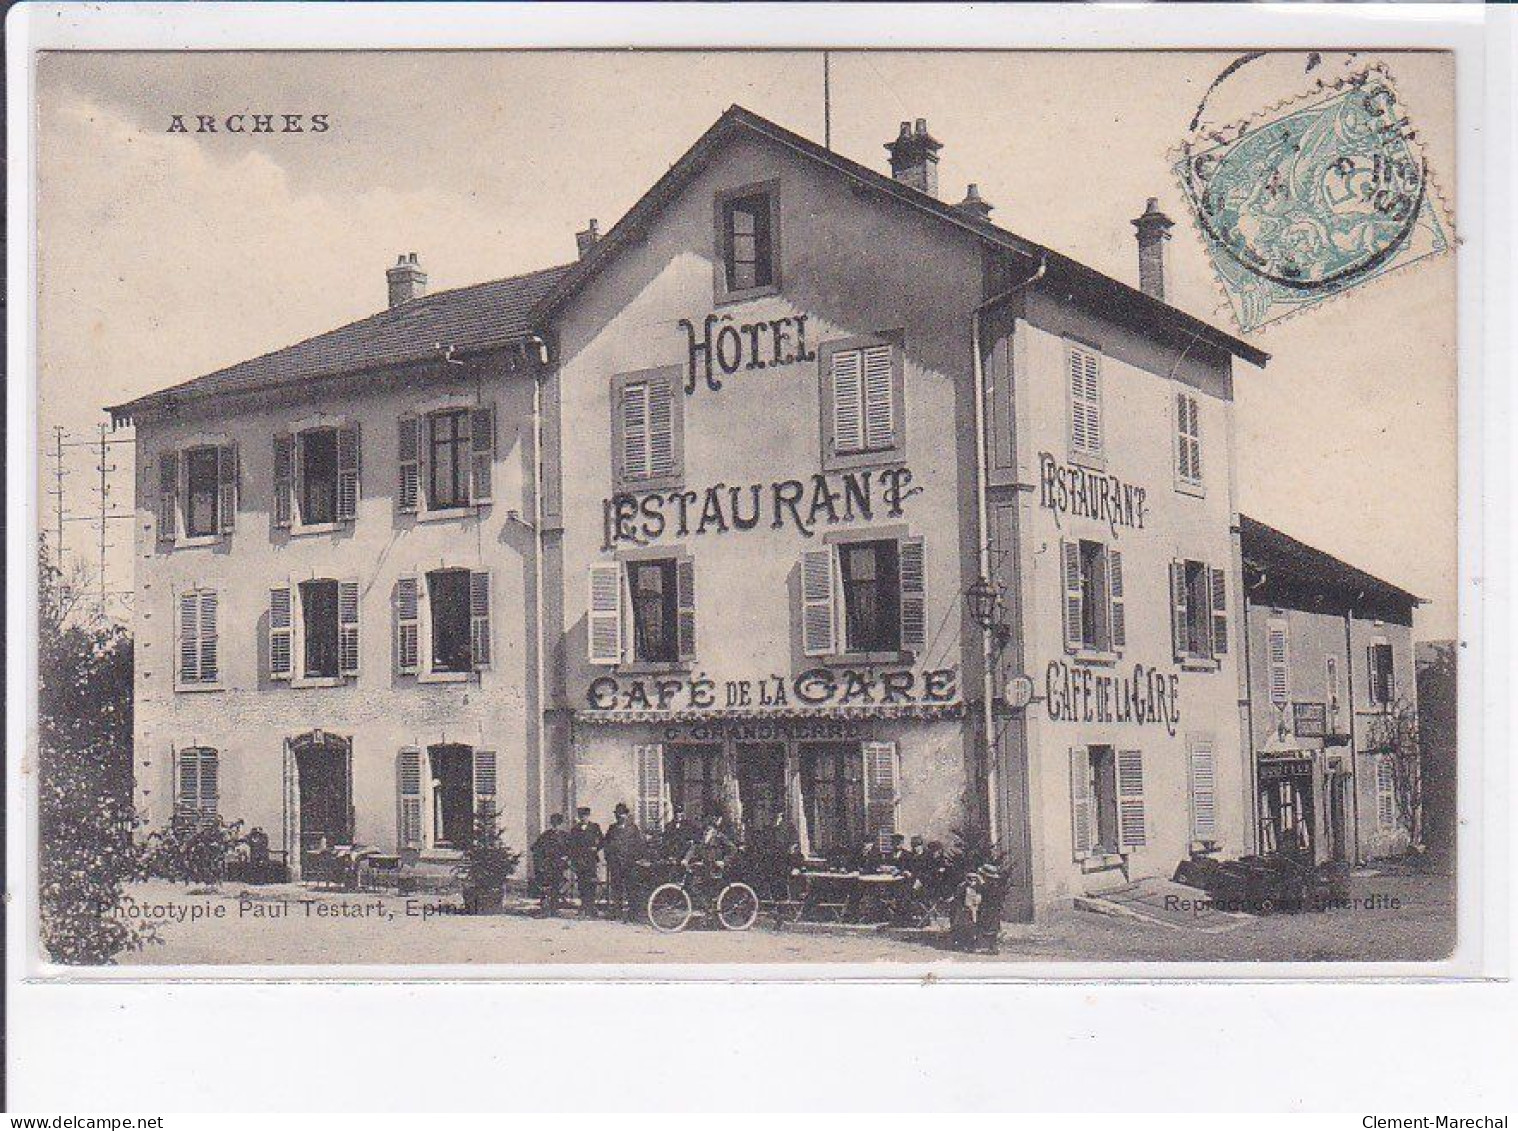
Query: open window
(864,597)
(748,239)
(442,623)
(1199,611)
(1094,610)
(440,791)
(1107,801)
(1382,673)
(313,630)
(197,493)
(445,459)
(643,611)
(316,477)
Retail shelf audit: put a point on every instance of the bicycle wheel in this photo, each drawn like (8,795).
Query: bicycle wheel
(737,907)
(669,908)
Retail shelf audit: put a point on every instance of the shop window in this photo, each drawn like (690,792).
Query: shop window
(1188,441)
(646,426)
(692,777)
(313,630)
(748,232)
(862,401)
(1084,372)
(642,611)
(1381,666)
(864,598)
(199,641)
(1095,618)
(1108,812)
(1199,623)
(197,771)
(832,793)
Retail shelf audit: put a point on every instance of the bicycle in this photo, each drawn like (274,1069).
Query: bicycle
(673,904)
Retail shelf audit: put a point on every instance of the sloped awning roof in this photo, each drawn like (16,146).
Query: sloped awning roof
(1286,562)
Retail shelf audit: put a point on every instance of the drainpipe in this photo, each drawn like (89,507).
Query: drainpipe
(982,517)
(1354,745)
(539,667)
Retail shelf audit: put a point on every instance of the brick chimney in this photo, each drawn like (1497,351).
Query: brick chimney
(407,279)
(914,157)
(1153,236)
(586,240)
(975,204)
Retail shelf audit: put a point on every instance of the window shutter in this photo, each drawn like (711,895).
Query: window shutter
(408,488)
(168,496)
(1085,402)
(1204,798)
(186,785)
(1386,792)
(650,760)
(1331,691)
(848,387)
(879,398)
(1219,612)
(1070,569)
(913,602)
(347,473)
(880,791)
(189,637)
(210,785)
(1179,620)
(409,798)
(819,606)
(479,618)
(481,453)
(408,634)
(226,487)
(685,604)
(636,460)
(661,428)
(1276,661)
(210,670)
(1195,441)
(281,632)
(347,627)
(604,618)
(1372,676)
(1118,619)
(1082,815)
(484,782)
(284,479)
(1130,799)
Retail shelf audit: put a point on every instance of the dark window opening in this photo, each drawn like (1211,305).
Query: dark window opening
(1104,790)
(749,241)
(318,475)
(1198,610)
(871,596)
(691,776)
(452,795)
(1095,631)
(1383,678)
(201,467)
(655,611)
(832,792)
(448,444)
(448,593)
(318,606)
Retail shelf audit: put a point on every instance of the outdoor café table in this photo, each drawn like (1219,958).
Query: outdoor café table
(840,895)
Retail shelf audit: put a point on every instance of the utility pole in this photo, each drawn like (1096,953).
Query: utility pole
(58,474)
(104,512)
(827,100)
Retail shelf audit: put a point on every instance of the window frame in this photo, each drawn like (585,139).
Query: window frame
(668,598)
(1184,483)
(675,477)
(886,455)
(460,444)
(722,292)
(428,658)
(910,560)
(180,537)
(307,676)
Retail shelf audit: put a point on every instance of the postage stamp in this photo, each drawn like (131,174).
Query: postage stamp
(1313,198)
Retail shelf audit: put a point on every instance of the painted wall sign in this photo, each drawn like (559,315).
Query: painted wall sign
(726,347)
(815,687)
(838,497)
(767,730)
(1069,489)
(1075,693)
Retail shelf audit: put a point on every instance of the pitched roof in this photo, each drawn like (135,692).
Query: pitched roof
(468,319)
(1289,564)
(1118,294)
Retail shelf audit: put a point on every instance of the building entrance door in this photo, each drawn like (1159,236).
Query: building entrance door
(761,783)
(1338,816)
(324,791)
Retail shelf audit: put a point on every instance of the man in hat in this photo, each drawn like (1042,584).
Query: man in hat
(993,896)
(584,858)
(550,856)
(623,846)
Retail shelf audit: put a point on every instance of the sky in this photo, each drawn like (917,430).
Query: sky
(164,255)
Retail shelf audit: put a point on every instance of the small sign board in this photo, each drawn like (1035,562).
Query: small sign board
(1309,720)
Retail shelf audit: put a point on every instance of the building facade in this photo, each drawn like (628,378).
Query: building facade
(1333,701)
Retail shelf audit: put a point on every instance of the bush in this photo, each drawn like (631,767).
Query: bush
(193,852)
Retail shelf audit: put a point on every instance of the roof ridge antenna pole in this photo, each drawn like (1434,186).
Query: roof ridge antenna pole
(58,489)
(827,101)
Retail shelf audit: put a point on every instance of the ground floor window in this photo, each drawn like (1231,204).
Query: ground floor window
(1286,810)
(1104,793)
(452,794)
(832,793)
(1108,808)
(692,777)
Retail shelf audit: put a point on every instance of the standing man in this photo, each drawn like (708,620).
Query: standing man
(584,858)
(550,856)
(623,846)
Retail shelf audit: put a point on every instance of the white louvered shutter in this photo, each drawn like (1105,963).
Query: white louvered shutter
(408,625)
(1277,663)
(1188,438)
(408,785)
(226,487)
(636,460)
(1204,797)
(479,618)
(1130,800)
(408,487)
(685,607)
(481,453)
(1179,618)
(1219,589)
(819,603)
(1386,792)
(186,785)
(1082,804)
(1072,601)
(347,473)
(650,759)
(912,567)
(210,645)
(210,785)
(1085,402)
(1118,618)
(604,617)
(848,397)
(879,398)
(484,782)
(347,627)
(281,632)
(189,637)
(661,429)
(284,479)
(168,496)
(881,792)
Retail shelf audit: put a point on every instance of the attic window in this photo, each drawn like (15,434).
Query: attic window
(747,235)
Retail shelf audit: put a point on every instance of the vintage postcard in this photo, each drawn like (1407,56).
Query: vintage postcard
(512,509)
